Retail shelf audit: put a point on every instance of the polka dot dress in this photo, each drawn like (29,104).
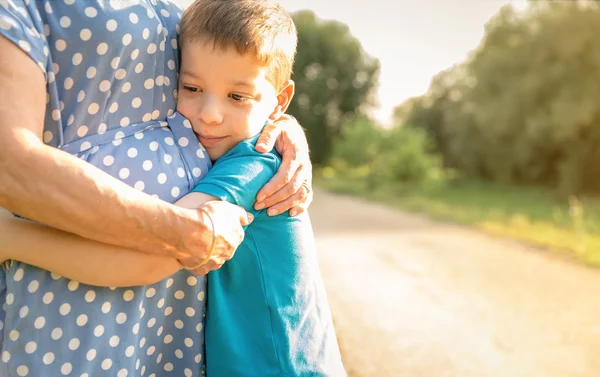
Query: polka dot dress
(111,78)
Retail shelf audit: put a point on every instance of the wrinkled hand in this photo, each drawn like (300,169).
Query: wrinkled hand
(226,231)
(291,188)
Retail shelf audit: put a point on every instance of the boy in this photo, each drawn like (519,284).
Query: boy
(267,312)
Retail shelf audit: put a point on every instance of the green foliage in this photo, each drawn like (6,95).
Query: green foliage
(401,155)
(524,107)
(334,80)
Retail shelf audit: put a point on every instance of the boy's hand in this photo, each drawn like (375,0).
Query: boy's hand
(291,188)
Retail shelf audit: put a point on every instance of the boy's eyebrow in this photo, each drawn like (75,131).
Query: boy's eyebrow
(242,83)
(188,73)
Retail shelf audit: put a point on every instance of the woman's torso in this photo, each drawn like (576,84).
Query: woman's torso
(111,72)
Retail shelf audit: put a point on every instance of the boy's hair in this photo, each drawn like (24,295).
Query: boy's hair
(260,27)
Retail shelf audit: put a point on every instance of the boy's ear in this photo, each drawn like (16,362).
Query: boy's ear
(283,100)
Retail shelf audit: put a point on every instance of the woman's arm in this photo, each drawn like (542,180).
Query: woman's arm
(84,260)
(53,187)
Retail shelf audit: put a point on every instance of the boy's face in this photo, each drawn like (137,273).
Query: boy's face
(226,96)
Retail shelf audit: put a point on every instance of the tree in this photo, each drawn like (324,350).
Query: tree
(334,80)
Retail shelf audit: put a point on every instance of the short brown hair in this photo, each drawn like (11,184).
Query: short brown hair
(260,27)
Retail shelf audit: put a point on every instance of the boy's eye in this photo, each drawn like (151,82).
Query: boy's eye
(238,97)
(192,89)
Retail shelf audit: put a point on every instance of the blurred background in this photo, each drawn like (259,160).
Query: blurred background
(456,147)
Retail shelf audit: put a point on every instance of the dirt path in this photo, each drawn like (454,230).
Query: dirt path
(416,298)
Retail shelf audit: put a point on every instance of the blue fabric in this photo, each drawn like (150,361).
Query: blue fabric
(111,78)
(268,313)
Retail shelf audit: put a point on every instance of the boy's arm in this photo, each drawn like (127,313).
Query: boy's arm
(84,260)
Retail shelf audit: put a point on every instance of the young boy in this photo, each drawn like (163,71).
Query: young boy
(267,311)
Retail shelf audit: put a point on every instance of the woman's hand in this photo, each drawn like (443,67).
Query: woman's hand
(223,226)
(291,188)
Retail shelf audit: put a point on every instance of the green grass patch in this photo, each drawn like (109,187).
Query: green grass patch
(532,215)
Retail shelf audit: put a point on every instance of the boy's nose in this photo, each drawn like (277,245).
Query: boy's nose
(210,112)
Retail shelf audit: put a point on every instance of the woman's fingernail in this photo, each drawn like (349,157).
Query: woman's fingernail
(271,212)
(260,198)
(293,212)
(259,206)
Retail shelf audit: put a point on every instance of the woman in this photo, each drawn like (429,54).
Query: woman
(109,74)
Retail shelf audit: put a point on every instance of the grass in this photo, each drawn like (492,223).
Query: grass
(532,215)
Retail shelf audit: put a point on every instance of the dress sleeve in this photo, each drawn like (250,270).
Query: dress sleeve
(21,24)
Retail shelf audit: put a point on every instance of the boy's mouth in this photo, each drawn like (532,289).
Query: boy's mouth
(207,141)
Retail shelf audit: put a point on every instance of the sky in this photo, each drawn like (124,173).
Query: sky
(413,39)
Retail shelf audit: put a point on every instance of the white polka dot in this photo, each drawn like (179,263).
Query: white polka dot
(91,354)
(150,350)
(126,87)
(91,12)
(159,80)
(85,34)
(66,368)
(160,330)
(106,305)
(151,48)
(151,322)
(14,335)
(201,296)
(180,172)
(149,84)
(137,364)
(137,102)
(56,333)
(22,370)
(70,120)
(179,354)
(91,72)
(48,358)
(120,74)
(65,21)
(114,341)
(74,344)
(82,320)
(73,285)
(168,311)
(102,128)
(108,160)
(198,358)
(175,192)
(65,309)
(55,276)
(122,373)
(33,286)
(139,185)
(77,58)
(196,172)
(126,39)
(199,327)
(48,136)
(169,283)
(133,18)
(10,298)
(168,367)
(188,342)
(47,299)
(48,8)
(187,372)
(84,146)
(128,295)
(190,312)
(93,108)
(160,303)
(56,112)
(111,25)
(169,140)
(147,165)
(168,339)
(155,114)
(179,295)
(139,67)
(171,65)
(121,318)
(165,13)
(183,141)
(124,122)
(179,324)
(68,83)
(61,45)
(102,48)
(30,347)
(161,46)
(115,62)
(39,322)
(80,96)
(168,158)
(5,356)
(24,311)
(123,174)
(136,328)
(162,178)
(82,131)
(129,351)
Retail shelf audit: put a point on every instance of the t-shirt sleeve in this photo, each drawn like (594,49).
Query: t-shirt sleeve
(21,24)
(237,177)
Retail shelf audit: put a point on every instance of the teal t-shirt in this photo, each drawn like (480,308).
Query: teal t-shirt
(267,311)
